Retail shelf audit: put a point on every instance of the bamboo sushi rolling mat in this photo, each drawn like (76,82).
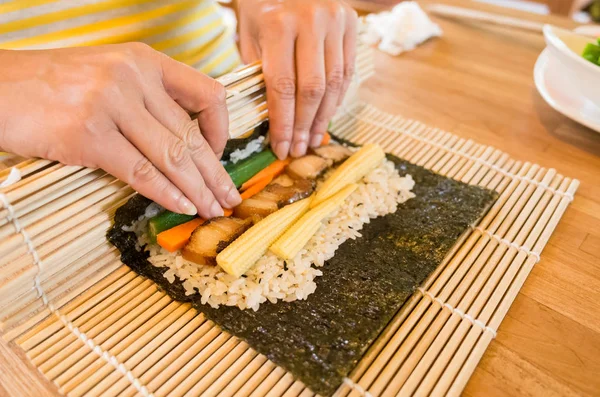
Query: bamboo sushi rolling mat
(112,332)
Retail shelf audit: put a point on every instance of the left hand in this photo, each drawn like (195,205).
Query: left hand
(308,49)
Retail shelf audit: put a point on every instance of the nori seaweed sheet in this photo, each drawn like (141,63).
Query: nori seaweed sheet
(321,339)
(234,144)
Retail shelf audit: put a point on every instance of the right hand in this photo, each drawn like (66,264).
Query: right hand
(123,108)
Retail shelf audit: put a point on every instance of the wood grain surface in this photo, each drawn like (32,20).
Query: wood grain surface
(477,82)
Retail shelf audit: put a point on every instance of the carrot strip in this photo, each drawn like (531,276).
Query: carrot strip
(256,188)
(227,212)
(271,171)
(326,139)
(175,238)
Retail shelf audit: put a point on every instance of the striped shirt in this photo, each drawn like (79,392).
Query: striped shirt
(190,31)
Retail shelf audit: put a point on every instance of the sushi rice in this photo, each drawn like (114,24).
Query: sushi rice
(253,146)
(273,279)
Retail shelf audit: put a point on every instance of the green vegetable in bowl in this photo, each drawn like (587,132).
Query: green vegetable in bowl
(591,52)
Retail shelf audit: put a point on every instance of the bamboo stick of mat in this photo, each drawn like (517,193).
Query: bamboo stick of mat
(44,177)
(59,235)
(61,261)
(58,189)
(142,298)
(97,369)
(182,339)
(73,202)
(49,333)
(22,166)
(257,97)
(73,266)
(40,326)
(99,311)
(14,309)
(39,169)
(193,343)
(98,266)
(181,318)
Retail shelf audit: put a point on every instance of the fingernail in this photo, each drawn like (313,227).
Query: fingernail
(315,140)
(233,197)
(215,210)
(282,149)
(186,206)
(299,149)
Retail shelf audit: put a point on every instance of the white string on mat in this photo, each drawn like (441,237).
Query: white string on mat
(509,243)
(552,190)
(15,176)
(481,161)
(461,314)
(355,386)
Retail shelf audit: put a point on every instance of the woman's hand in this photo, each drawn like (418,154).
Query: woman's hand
(123,108)
(307,48)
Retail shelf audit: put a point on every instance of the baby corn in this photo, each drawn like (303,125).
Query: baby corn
(296,237)
(240,255)
(351,171)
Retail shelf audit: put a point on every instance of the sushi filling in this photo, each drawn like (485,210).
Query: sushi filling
(271,278)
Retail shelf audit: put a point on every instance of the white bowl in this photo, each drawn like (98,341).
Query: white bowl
(567,47)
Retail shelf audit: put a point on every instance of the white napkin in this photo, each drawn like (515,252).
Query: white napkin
(401,29)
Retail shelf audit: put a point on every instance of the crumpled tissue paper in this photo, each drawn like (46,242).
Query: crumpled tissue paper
(401,29)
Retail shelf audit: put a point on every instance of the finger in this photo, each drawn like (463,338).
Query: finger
(176,120)
(280,79)
(249,49)
(125,162)
(349,50)
(310,63)
(172,158)
(198,93)
(334,71)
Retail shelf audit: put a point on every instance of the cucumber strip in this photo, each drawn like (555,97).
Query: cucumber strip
(166,221)
(246,169)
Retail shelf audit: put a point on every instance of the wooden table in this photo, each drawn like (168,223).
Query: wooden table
(477,82)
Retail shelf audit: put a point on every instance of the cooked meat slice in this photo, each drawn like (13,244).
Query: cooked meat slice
(255,206)
(284,195)
(281,192)
(333,152)
(284,180)
(212,237)
(308,167)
